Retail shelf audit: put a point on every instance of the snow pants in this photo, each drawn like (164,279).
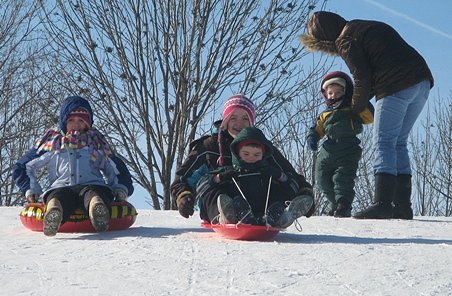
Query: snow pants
(335,171)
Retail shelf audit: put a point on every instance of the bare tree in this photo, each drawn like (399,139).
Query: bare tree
(156,69)
(364,183)
(21,51)
(433,161)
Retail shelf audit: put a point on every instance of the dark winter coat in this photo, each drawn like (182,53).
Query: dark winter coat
(19,173)
(381,62)
(253,179)
(341,123)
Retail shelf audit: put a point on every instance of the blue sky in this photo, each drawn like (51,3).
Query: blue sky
(425,25)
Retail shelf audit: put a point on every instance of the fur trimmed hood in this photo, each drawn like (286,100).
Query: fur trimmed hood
(323,30)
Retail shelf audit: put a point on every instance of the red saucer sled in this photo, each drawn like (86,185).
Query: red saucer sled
(123,215)
(244,231)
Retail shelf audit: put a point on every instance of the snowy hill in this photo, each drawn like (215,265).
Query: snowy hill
(165,254)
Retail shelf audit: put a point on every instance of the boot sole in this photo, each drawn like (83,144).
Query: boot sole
(226,209)
(100,217)
(52,222)
(298,207)
(243,211)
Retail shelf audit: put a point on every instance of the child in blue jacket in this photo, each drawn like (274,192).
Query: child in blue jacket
(81,170)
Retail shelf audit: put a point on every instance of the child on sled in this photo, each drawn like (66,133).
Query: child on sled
(252,191)
(80,168)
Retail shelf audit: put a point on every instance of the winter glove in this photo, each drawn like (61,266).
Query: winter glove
(120,194)
(31,196)
(228,175)
(185,204)
(312,142)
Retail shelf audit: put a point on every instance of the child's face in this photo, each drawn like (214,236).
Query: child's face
(238,120)
(75,123)
(334,91)
(249,154)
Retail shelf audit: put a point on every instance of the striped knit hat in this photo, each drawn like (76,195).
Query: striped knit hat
(234,102)
(83,114)
(70,104)
(238,101)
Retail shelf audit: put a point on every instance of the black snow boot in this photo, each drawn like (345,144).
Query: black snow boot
(274,212)
(344,209)
(402,198)
(243,211)
(226,210)
(332,207)
(385,187)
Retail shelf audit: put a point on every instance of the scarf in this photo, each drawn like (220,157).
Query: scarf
(54,140)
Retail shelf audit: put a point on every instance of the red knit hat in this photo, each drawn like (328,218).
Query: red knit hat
(83,114)
(249,142)
(238,101)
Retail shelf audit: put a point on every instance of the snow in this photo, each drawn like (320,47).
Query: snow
(166,254)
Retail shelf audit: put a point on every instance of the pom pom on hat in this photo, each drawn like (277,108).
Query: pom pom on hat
(238,101)
(83,114)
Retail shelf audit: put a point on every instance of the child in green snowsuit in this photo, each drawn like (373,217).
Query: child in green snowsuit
(338,158)
(255,189)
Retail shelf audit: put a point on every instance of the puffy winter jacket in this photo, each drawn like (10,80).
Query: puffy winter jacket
(70,167)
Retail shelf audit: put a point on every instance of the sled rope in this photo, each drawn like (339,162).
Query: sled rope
(298,225)
(266,202)
(243,195)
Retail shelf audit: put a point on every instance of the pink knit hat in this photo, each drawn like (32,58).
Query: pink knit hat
(238,101)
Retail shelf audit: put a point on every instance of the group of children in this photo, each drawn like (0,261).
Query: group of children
(252,188)
(237,175)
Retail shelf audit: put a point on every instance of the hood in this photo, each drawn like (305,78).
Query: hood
(246,134)
(69,105)
(323,30)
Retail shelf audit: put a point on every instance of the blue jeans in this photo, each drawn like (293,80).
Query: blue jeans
(394,118)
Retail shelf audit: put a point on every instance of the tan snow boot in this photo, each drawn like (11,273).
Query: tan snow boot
(99,214)
(52,217)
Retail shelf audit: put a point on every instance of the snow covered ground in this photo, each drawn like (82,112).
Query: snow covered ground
(165,254)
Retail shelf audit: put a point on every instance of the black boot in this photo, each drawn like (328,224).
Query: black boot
(402,198)
(385,187)
(274,212)
(344,209)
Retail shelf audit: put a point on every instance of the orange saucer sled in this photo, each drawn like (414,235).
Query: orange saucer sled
(244,231)
(123,215)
